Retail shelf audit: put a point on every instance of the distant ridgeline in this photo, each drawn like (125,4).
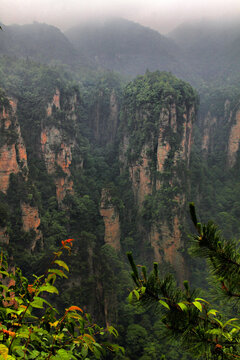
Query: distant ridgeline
(111,164)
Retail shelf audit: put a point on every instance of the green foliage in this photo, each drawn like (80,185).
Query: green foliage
(219,191)
(31,327)
(186,317)
(144,100)
(136,335)
(98,275)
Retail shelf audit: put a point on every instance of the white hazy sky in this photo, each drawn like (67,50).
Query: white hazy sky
(162,15)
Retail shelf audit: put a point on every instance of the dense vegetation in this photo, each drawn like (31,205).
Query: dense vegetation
(201,330)
(31,327)
(98,111)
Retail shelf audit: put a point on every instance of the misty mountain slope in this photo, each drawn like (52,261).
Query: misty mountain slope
(210,47)
(127,47)
(232,64)
(40,42)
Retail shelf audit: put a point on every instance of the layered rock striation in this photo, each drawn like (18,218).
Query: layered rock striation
(57,156)
(220,130)
(156,154)
(13,160)
(111,220)
(13,155)
(104,115)
(57,146)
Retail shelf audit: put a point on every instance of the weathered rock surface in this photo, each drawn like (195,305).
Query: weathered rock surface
(57,155)
(211,127)
(13,155)
(13,160)
(233,142)
(31,221)
(104,117)
(140,176)
(55,102)
(57,150)
(164,155)
(111,221)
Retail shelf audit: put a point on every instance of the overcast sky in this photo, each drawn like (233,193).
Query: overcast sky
(162,15)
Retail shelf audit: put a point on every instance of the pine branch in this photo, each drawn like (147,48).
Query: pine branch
(222,255)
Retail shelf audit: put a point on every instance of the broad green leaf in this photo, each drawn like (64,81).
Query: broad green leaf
(130,297)
(97,353)
(58,272)
(164,304)
(49,288)
(4,287)
(12,311)
(3,351)
(22,333)
(51,277)
(229,322)
(112,331)
(227,335)
(136,293)
(37,303)
(214,332)
(33,354)
(84,351)
(198,305)
(19,351)
(212,312)
(63,355)
(46,302)
(89,337)
(4,273)
(60,336)
(219,322)
(200,299)
(182,306)
(62,264)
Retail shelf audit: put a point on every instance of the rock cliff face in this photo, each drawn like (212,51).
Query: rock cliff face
(55,102)
(140,177)
(104,116)
(13,160)
(111,221)
(57,155)
(155,127)
(233,142)
(13,155)
(158,169)
(222,128)
(165,236)
(57,148)
(31,221)
(52,139)
(209,122)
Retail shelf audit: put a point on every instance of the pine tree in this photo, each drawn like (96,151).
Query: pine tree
(187,317)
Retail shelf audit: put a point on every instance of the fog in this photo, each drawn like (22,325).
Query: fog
(162,15)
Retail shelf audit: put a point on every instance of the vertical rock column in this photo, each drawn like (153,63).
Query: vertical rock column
(13,160)
(156,150)
(57,151)
(111,221)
